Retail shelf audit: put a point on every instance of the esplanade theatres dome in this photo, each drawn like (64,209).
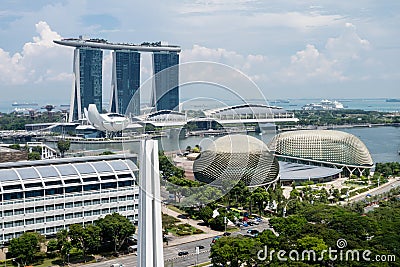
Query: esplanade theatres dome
(236,157)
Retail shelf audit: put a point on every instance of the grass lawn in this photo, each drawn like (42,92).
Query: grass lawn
(184,229)
(172,207)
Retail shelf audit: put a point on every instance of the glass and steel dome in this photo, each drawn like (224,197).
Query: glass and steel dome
(236,157)
(323,145)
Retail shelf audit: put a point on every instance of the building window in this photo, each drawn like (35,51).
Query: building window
(77,214)
(96,212)
(105,200)
(18,211)
(87,203)
(33,185)
(112,210)
(108,185)
(122,208)
(29,221)
(73,189)
(40,220)
(54,191)
(113,199)
(96,201)
(78,204)
(35,193)
(50,219)
(8,224)
(68,205)
(130,207)
(90,179)
(131,197)
(60,217)
(91,187)
(122,198)
(11,196)
(59,228)
(29,210)
(50,230)
(69,216)
(39,208)
(40,231)
(124,183)
(8,213)
(49,207)
(104,211)
(59,206)
(19,223)
(72,181)
(88,213)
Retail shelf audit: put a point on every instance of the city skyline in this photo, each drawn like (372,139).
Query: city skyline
(289,49)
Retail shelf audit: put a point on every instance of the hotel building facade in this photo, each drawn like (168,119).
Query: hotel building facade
(47,196)
(87,68)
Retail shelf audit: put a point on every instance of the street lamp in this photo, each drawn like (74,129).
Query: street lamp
(16,262)
(284,208)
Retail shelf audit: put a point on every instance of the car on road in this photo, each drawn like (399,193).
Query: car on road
(253,232)
(226,234)
(200,247)
(182,253)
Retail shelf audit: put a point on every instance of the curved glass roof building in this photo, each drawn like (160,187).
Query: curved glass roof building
(234,158)
(323,147)
(49,195)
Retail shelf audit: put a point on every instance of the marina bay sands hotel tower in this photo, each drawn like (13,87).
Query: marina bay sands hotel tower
(88,67)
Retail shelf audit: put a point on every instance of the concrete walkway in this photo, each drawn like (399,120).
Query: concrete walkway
(186,239)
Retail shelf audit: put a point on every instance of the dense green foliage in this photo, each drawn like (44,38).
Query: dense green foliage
(115,228)
(342,117)
(25,247)
(63,146)
(388,169)
(17,122)
(318,228)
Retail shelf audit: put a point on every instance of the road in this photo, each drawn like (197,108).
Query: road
(171,253)
(395,182)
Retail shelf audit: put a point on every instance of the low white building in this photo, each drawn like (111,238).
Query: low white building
(49,195)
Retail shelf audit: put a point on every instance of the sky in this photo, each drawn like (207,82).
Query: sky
(288,48)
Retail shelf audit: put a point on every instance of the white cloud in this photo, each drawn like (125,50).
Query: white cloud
(254,66)
(38,62)
(348,45)
(310,63)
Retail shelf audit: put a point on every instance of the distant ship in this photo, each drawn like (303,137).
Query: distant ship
(15,104)
(324,105)
(393,100)
(276,101)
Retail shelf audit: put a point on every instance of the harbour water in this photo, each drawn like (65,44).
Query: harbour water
(377,104)
(383,142)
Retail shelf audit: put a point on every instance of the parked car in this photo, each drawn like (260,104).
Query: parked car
(215,239)
(181,253)
(226,234)
(200,247)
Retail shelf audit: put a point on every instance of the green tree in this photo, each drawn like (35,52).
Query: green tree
(63,146)
(34,156)
(52,245)
(63,244)
(85,238)
(206,214)
(24,248)
(235,251)
(116,228)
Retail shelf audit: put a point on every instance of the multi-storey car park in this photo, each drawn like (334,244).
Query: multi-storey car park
(49,195)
